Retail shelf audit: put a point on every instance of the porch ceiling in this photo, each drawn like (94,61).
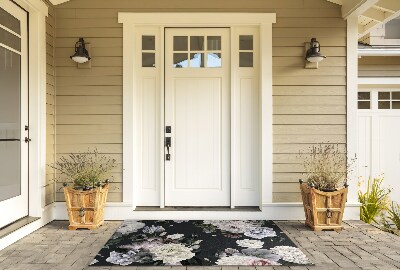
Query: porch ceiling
(371,13)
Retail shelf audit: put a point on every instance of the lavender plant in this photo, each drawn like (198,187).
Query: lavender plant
(326,167)
(85,169)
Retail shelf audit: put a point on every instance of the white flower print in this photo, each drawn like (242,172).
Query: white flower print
(171,253)
(291,254)
(121,258)
(153,229)
(130,227)
(233,226)
(247,243)
(244,260)
(175,236)
(260,232)
(93,262)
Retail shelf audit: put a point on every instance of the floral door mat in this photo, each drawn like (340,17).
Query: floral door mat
(199,242)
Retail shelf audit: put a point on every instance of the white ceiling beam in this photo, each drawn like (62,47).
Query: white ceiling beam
(57,2)
(373,24)
(356,7)
(389,5)
(338,2)
(375,14)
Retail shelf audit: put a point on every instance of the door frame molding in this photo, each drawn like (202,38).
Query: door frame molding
(37,13)
(131,116)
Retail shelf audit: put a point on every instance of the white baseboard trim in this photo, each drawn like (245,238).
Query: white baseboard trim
(271,211)
(47,216)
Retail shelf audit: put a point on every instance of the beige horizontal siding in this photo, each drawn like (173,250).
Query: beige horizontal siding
(379,66)
(309,104)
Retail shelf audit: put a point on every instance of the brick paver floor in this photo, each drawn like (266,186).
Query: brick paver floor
(358,246)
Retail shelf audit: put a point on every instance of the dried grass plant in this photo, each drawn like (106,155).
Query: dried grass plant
(85,169)
(326,167)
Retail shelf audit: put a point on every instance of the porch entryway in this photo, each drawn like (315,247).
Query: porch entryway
(13,113)
(197,117)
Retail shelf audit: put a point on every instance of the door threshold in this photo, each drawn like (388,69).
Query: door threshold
(9,229)
(205,208)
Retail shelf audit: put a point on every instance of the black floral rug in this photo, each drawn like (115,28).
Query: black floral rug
(199,242)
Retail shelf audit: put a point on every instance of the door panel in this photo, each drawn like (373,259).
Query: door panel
(198,133)
(389,153)
(197,107)
(13,113)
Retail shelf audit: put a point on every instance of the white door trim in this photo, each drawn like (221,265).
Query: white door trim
(131,118)
(37,12)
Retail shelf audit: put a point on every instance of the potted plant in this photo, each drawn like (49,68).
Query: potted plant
(324,192)
(87,196)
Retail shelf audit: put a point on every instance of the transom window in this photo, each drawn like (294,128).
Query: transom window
(148,51)
(246,51)
(197,52)
(381,100)
(364,100)
(389,100)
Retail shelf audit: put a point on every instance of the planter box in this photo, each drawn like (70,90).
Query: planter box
(86,208)
(323,210)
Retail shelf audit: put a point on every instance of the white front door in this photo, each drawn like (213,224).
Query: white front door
(197,110)
(13,113)
(379,133)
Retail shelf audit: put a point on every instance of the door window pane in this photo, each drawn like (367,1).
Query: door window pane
(148,59)
(214,43)
(10,40)
(245,59)
(197,60)
(148,43)
(384,95)
(180,60)
(396,95)
(196,43)
(364,95)
(364,105)
(10,123)
(384,105)
(180,43)
(10,21)
(396,105)
(246,42)
(214,60)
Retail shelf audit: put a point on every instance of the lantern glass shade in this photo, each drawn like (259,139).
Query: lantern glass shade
(313,54)
(81,54)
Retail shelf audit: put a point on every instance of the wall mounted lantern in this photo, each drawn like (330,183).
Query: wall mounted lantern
(81,54)
(313,54)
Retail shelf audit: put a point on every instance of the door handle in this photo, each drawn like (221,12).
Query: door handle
(168,145)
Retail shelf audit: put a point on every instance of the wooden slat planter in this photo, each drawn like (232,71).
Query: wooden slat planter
(86,208)
(323,210)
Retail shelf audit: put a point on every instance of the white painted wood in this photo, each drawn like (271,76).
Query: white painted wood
(270,211)
(379,52)
(356,7)
(379,81)
(149,108)
(246,154)
(47,216)
(17,207)
(197,109)
(132,162)
(379,147)
(266,112)
(352,89)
